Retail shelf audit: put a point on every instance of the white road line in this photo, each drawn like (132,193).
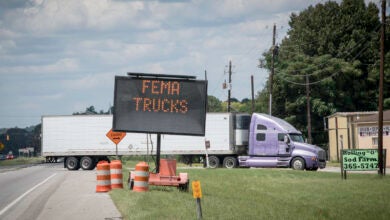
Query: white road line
(25,194)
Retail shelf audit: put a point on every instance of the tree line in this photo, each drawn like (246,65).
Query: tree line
(13,139)
(333,48)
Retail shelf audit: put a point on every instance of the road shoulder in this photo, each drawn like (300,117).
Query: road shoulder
(76,198)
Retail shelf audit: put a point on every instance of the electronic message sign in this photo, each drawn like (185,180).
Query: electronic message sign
(160,105)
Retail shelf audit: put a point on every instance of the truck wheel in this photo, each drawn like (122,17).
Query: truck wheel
(72,163)
(87,163)
(230,162)
(298,164)
(213,162)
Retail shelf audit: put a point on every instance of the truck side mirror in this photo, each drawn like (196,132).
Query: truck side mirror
(286,139)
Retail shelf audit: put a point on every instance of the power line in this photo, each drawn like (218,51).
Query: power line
(316,82)
(345,28)
(326,62)
(283,48)
(349,53)
(299,45)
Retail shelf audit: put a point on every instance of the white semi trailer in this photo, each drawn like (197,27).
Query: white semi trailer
(235,140)
(81,140)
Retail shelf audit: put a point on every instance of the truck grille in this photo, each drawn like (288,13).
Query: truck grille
(321,155)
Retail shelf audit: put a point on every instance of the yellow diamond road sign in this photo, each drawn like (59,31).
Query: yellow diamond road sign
(115,137)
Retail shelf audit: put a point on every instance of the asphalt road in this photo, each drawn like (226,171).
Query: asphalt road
(48,191)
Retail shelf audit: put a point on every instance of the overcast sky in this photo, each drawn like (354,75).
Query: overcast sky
(60,56)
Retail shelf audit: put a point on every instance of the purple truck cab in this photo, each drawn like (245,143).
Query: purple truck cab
(274,142)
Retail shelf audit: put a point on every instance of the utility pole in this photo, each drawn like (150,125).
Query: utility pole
(230,84)
(309,139)
(381,79)
(272,70)
(253,95)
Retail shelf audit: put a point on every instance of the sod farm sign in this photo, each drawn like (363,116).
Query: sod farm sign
(359,160)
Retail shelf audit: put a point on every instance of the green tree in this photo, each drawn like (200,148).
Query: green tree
(214,104)
(245,100)
(14,139)
(91,111)
(36,139)
(336,47)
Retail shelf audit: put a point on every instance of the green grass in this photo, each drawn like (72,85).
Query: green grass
(131,161)
(22,160)
(332,164)
(263,194)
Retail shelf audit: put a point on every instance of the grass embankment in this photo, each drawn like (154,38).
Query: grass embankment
(263,194)
(22,160)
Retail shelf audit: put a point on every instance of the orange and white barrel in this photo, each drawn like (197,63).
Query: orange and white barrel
(103,177)
(141,179)
(116,174)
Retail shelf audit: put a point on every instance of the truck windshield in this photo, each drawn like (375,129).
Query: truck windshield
(297,138)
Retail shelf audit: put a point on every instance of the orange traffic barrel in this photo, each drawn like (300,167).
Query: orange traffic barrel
(116,174)
(141,179)
(103,177)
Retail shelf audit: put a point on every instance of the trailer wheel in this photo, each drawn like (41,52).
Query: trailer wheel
(230,162)
(72,163)
(183,187)
(213,162)
(87,163)
(131,184)
(298,164)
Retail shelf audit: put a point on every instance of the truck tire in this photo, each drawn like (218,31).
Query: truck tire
(72,163)
(213,162)
(298,163)
(87,163)
(51,160)
(230,162)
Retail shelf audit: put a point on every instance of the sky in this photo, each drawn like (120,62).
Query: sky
(59,57)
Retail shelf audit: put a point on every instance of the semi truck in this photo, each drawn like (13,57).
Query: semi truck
(233,140)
